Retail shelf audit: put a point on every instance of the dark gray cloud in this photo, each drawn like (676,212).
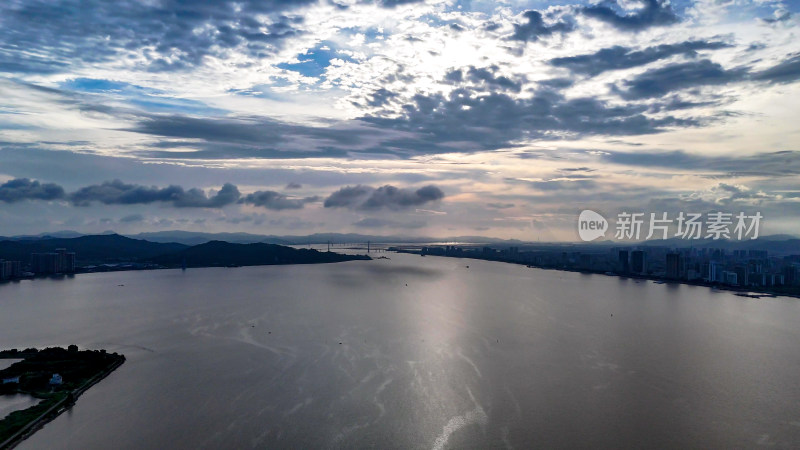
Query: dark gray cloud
(397,198)
(653,13)
(467,119)
(117,192)
(293,185)
(276,200)
(495,120)
(786,71)
(75,170)
(170,34)
(388,197)
(661,81)
(20,189)
(676,103)
(572,170)
(348,197)
(534,27)
(557,83)
(396,3)
(245,137)
(484,77)
(132,218)
(618,57)
(500,205)
(783,17)
(381,97)
(456,27)
(783,163)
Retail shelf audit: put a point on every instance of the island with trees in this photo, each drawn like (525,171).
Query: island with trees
(56,376)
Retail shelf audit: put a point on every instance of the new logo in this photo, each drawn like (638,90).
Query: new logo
(591,225)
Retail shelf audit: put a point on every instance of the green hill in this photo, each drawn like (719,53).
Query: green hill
(95,249)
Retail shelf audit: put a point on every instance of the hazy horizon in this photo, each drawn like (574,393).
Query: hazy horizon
(165,234)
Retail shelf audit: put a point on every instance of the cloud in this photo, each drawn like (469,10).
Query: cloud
(786,71)
(726,193)
(618,57)
(167,35)
(397,198)
(484,77)
(469,121)
(534,27)
(275,200)
(371,222)
(653,13)
(133,218)
(396,3)
(388,197)
(500,205)
(678,76)
(380,97)
(196,198)
(781,14)
(293,185)
(247,137)
(348,197)
(773,164)
(117,192)
(20,189)
(564,185)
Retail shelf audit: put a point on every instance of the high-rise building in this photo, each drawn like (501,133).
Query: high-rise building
(60,261)
(66,260)
(10,269)
(624,263)
(714,273)
(730,277)
(675,267)
(639,262)
(45,263)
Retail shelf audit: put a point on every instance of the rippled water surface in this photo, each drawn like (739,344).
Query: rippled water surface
(414,353)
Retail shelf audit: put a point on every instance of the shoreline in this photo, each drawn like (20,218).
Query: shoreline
(58,408)
(132,269)
(741,291)
(751,292)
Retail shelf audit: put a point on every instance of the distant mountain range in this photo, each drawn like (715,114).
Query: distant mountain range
(194,238)
(102,248)
(113,248)
(110,247)
(218,253)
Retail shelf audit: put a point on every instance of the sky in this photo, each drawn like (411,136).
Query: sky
(396,117)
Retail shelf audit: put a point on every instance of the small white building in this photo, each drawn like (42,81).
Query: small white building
(56,380)
(11,380)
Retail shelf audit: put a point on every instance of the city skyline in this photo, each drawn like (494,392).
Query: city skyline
(501,119)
